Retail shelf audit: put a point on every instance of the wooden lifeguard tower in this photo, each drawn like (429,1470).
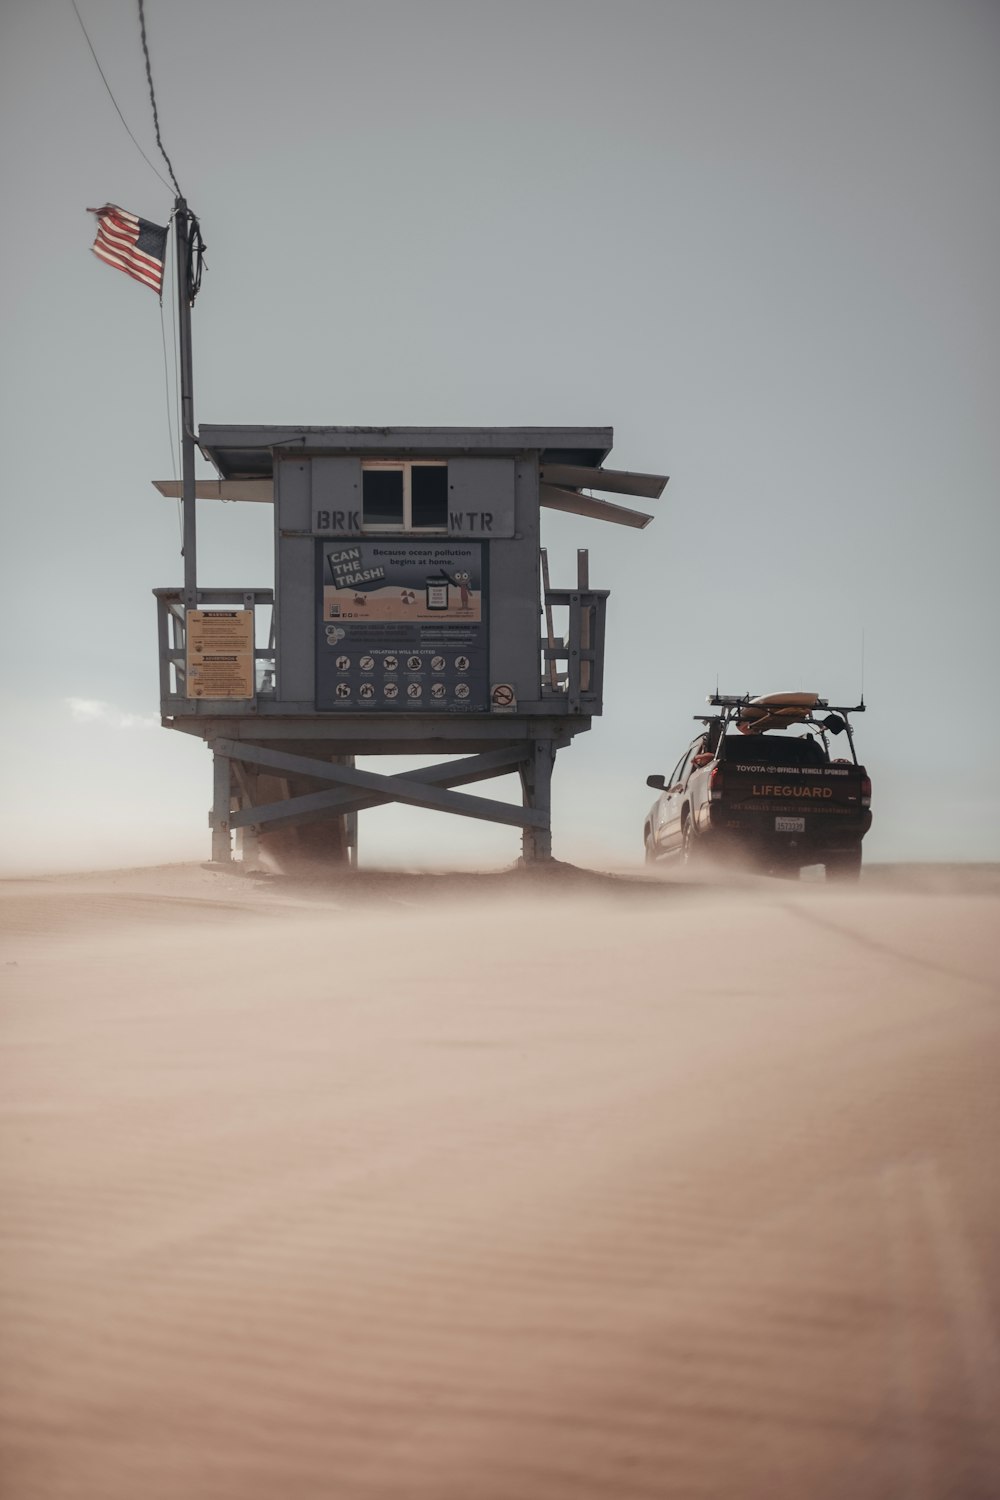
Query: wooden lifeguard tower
(411,613)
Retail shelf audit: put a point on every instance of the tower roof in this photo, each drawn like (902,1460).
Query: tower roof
(246,452)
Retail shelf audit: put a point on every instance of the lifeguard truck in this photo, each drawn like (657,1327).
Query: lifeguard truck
(746,788)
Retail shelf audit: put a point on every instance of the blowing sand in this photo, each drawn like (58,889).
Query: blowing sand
(479,1189)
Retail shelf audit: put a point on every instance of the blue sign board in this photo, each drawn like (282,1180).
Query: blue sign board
(402,626)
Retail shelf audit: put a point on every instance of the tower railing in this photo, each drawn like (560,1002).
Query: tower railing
(172,637)
(573,662)
(571,675)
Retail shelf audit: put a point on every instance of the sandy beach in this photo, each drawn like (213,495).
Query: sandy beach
(486,1187)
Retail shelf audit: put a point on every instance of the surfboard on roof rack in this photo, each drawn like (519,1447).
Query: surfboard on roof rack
(776,711)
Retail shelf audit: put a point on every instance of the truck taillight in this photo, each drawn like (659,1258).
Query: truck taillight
(866,791)
(715,784)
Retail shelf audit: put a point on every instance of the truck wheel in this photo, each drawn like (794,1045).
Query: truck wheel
(691,853)
(844,865)
(649,847)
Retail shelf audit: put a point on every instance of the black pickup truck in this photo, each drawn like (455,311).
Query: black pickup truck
(746,789)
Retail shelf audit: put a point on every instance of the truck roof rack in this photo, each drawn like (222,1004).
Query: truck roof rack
(726,700)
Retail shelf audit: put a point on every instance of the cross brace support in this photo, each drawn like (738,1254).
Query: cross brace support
(414,788)
(315,806)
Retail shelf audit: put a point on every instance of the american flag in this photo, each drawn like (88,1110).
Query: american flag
(130,244)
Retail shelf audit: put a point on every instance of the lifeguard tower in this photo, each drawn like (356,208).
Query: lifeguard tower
(411,613)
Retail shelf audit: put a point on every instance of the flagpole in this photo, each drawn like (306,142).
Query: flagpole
(190,548)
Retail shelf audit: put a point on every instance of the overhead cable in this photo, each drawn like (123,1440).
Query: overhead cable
(114,101)
(152,100)
(195,243)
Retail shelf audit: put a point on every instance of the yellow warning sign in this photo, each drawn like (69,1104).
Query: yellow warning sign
(220,660)
(219,630)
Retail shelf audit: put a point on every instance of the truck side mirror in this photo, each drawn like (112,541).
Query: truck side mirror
(658,783)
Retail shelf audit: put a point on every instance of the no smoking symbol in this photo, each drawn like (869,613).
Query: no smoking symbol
(503,695)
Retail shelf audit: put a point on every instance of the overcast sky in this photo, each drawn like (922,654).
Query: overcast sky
(758,237)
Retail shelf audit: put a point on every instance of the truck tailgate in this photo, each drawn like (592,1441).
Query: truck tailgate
(796,793)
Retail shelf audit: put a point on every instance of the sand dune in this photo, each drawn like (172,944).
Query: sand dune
(478,1188)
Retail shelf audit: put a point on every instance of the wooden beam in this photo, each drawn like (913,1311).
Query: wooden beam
(612,481)
(315,806)
(261,491)
(395,788)
(583,505)
(549,629)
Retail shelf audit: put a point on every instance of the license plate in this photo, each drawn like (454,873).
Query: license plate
(789,825)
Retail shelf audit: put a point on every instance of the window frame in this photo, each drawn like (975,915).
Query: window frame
(685,767)
(675,775)
(406,466)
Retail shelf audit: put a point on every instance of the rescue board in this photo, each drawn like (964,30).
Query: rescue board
(776,711)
